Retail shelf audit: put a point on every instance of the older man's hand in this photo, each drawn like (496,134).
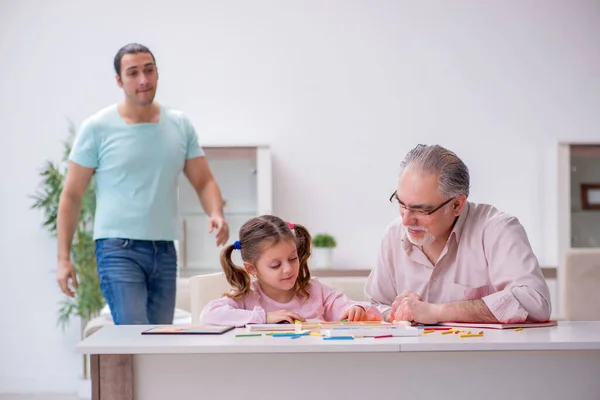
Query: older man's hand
(407,294)
(417,311)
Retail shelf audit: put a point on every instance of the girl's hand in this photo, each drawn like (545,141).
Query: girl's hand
(354,313)
(275,317)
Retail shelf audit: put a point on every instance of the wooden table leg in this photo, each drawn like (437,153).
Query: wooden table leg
(112,376)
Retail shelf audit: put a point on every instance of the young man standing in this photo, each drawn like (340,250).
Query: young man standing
(136,149)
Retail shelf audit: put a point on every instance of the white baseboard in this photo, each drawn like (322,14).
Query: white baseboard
(21,385)
(84,389)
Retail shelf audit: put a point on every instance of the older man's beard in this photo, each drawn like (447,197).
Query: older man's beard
(426,239)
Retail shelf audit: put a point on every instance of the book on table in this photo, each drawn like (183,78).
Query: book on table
(270,327)
(188,330)
(498,325)
(371,331)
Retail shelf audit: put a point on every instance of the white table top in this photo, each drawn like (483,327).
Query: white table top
(127,339)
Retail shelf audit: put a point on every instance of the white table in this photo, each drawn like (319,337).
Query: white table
(561,362)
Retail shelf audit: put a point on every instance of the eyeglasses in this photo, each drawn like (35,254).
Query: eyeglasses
(417,211)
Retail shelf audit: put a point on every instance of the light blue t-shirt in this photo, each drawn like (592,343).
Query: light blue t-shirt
(137,169)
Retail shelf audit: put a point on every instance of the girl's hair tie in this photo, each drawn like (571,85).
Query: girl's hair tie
(290,225)
(237,245)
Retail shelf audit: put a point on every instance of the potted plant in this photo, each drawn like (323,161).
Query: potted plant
(322,253)
(88,300)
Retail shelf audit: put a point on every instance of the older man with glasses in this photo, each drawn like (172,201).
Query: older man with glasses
(447,259)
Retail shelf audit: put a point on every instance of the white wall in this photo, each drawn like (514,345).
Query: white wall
(340,89)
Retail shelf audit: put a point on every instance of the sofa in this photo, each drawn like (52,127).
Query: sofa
(581,289)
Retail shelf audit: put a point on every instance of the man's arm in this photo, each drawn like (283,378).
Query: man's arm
(466,311)
(69,209)
(522,292)
(413,309)
(198,173)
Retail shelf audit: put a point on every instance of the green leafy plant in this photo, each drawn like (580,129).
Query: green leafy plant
(88,300)
(324,240)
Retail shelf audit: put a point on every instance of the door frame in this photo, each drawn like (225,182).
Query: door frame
(564,209)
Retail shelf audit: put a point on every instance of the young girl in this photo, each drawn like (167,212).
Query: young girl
(276,255)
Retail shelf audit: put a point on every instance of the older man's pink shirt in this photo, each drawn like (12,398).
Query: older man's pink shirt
(324,304)
(487,256)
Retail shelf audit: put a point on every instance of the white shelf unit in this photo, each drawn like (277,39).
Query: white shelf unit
(244,176)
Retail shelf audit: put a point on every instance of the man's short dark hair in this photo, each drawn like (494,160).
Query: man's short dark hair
(131,48)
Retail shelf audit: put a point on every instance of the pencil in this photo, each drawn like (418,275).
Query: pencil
(248,334)
(471,335)
(383,336)
(518,329)
(286,334)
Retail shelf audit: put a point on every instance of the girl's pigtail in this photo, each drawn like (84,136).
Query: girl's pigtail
(303,245)
(237,277)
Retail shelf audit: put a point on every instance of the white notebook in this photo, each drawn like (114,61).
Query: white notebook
(375,331)
(270,327)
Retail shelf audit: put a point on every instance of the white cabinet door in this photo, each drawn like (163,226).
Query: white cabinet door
(245,179)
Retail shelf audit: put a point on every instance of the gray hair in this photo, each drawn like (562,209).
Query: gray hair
(453,173)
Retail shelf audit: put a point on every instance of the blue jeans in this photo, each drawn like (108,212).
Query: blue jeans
(138,279)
